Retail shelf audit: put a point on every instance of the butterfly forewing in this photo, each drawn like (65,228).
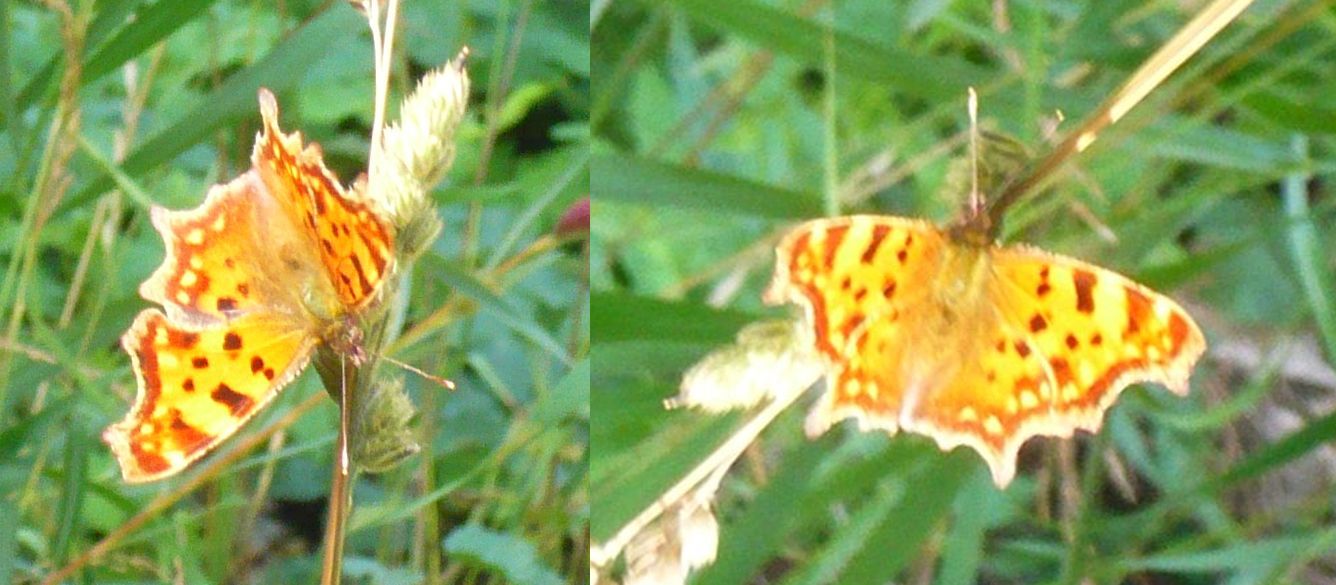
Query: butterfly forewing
(859,279)
(355,244)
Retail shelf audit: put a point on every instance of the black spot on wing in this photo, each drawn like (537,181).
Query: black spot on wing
(236,402)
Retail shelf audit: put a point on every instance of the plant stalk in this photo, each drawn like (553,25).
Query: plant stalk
(340,491)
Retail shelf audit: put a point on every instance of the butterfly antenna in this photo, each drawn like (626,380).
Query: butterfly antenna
(976,197)
(343,413)
(442,382)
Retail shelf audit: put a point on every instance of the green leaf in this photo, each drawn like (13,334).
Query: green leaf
(920,74)
(515,558)
(465,283)
(157,21)
(9,528)
(569,398)
(628,179)
(234,99)
(620,317)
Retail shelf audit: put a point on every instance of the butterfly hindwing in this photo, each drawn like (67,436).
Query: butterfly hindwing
(198,385)
(1069,338)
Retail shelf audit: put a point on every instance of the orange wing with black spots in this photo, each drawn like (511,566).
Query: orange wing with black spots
(198,385)
(233,255)
(858,281)
(354,242)
(977,346)
(1069,337)
(209,251)
(265,270)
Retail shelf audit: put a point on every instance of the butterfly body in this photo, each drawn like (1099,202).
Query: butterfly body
(972,344)
(273,265)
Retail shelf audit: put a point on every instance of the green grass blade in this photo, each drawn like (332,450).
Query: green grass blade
(900,534)
(637,181)
(926,76)
(1297,444)
(619,317)
(1310,256)
(233,100)
(9,528)
(76,466)
(151,25)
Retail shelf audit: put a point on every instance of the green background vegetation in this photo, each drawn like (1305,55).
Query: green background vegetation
(711,127)
(499,492)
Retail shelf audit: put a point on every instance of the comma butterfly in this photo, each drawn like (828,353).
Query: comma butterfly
(270,266)
(970,343)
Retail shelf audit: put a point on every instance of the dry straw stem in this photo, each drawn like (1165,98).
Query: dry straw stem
(1190,39)
(768,367)
(406,160)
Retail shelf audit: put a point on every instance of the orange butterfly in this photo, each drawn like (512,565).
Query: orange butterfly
(971,343)
(269,267)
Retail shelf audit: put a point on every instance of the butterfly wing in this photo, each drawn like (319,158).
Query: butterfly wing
(1067,339)
(355,244)
(859,279)
(197,385)
(216,266)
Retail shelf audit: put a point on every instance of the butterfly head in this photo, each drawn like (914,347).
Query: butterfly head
(974,228)
(345,337)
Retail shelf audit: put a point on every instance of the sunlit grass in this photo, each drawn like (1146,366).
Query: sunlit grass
(712,132)
(165,95)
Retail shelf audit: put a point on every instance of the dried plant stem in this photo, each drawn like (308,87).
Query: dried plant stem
(377,119)
(1178,49)
(340,491)
(382,45)
(707,473)
(351,383)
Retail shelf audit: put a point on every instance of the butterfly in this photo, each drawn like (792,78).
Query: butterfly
(271,266)
(971,342)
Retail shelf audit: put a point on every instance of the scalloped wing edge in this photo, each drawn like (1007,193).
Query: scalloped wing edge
(165,221)
(313,154)
(1002,462)
(116,435)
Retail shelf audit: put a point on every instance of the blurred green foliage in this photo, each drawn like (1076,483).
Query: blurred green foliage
(166,93)
(712,136)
